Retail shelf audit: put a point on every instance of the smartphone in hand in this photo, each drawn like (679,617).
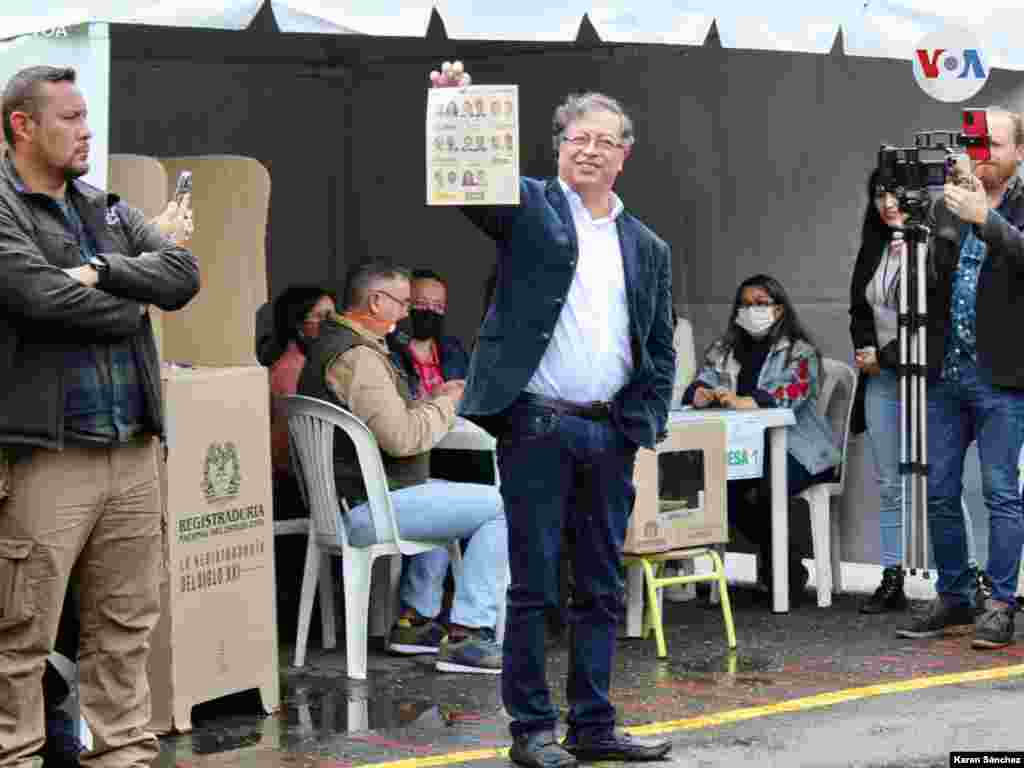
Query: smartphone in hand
(976,136)
(183,187)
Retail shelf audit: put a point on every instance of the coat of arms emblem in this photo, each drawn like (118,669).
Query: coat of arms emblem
(222,471)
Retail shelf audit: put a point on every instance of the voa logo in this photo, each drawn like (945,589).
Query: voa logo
(52,32)
(950,65)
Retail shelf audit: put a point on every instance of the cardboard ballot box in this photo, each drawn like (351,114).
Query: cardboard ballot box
(217,632)
(680,491)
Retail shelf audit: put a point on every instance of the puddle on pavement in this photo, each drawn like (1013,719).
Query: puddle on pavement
(314,712)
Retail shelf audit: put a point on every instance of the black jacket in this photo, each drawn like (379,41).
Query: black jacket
(44,312)
(1000,297)
(862,321)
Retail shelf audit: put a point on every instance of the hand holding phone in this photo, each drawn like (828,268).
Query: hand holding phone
(176,222)
(183,187)
(963,172)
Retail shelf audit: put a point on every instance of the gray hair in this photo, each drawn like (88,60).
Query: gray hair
(363,277)
(577,105)
(1015,120)
(22,93)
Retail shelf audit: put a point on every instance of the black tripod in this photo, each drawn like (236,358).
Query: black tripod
(913,368)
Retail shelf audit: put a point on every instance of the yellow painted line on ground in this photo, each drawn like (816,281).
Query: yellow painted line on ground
(828,699)
(817,701)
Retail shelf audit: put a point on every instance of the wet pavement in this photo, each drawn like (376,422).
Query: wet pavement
(407,710)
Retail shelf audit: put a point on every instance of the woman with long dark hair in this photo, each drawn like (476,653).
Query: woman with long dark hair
(297,315)
(874,317)
(766,359)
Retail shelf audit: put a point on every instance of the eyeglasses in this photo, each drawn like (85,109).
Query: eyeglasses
(758,304)
(603,143)
(404,302)
(434,306)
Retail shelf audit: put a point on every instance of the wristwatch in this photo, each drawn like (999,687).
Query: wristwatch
(100,264)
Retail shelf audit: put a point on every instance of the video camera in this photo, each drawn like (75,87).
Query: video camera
(917,174)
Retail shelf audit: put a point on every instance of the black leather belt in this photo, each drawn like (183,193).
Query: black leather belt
(596,410)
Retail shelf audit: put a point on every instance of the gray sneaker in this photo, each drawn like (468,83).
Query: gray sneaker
(476,653)
(994,627)
(410,639)
(939,618)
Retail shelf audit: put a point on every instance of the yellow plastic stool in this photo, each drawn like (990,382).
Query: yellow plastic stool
(654,564)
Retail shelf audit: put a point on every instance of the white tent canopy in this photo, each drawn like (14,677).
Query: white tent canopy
(869,28)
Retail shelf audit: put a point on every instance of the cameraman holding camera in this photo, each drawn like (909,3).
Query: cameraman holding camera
(976,383)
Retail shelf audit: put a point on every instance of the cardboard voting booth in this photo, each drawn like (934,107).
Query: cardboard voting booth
(218,631)
(231,200)
(680,491)
(217,634)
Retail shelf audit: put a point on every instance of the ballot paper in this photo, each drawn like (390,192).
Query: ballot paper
(473,145)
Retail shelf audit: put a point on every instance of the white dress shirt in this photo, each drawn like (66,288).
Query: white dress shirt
(589,355)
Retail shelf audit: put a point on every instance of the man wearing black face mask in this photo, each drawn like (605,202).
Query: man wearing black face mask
(429,358)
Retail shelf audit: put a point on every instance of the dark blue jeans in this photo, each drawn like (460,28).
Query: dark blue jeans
(959,412)
(558,470)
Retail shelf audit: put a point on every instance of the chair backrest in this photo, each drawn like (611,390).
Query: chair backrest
(686,359)
(311,427)
(835,404)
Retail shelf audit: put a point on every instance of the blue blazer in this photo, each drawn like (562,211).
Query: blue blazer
(537,253)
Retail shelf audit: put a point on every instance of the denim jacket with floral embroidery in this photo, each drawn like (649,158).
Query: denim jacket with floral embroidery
(795,383)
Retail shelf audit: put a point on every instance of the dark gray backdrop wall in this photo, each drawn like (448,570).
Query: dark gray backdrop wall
(391,220)
(277,111)
(746,161)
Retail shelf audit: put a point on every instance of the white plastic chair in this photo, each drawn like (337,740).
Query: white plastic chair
(835,403)
(311,427)
(686,359)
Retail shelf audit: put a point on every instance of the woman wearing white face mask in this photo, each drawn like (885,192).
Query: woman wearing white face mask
(765,359)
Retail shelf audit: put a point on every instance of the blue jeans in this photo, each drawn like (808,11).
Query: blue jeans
(441,510)
(959,412)
(882,413)
(559,471)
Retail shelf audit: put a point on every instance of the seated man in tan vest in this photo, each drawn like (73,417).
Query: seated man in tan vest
(349,365)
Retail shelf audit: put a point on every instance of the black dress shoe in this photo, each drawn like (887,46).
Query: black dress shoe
(540,750)
(616,745)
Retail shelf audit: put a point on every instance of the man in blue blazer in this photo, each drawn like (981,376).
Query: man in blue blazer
(572,371)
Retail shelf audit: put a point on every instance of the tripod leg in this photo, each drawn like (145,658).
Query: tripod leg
(922,356)
(906,480)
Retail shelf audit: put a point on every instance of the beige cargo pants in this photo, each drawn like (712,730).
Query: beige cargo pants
(95,510)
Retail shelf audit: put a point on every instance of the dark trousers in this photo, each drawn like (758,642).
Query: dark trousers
(750,510)
(562,471)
